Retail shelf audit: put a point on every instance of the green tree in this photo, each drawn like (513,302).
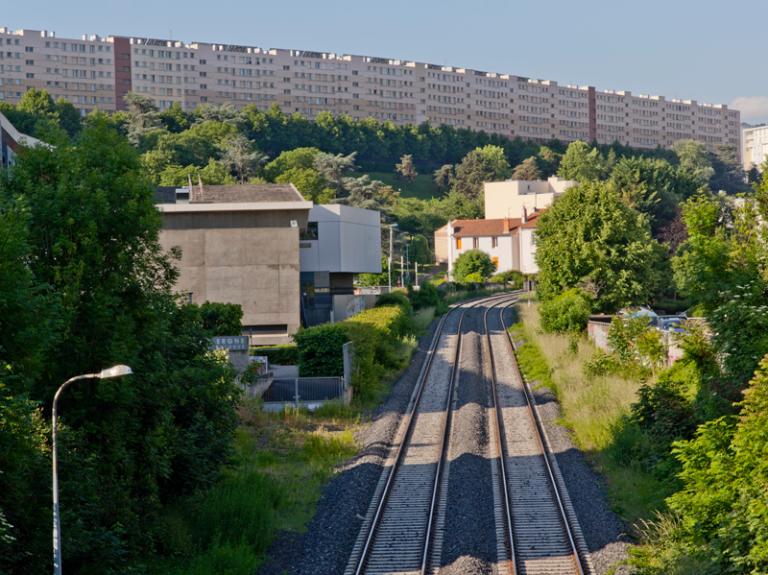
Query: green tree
(303,158)
(221,318)
(485,164)
(581,162)
(473,263)
(528,169)
(591,239)
(141,115)
(694,161)
(92,241)
(406,169)
(650,186)
(243,158)
(443,177)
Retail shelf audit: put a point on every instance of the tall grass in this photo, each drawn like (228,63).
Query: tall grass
(592,407)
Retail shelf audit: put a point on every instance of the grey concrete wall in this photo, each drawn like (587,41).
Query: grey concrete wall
(257,268)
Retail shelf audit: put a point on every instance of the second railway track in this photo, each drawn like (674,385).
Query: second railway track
(536,530)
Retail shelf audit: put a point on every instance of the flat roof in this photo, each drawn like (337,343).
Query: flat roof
(230,198)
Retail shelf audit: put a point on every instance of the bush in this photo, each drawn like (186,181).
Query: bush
(474,263)
(222,318)
(566,313)
(511,277)
(287,354)
(320,350)
(426,296)
(395,298)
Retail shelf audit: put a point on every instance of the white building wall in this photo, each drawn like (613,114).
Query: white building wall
(507,199)
(348,241)
(528,263)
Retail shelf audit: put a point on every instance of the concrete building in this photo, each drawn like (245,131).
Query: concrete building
(754,146)
(339,243)
(511,198)
(11,140)
(95,72)
(240,244)
(509,242)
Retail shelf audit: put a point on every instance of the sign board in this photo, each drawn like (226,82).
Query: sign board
(230,342)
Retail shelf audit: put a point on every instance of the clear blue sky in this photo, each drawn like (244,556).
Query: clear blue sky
(704,50)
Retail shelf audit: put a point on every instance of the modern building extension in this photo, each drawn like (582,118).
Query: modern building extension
(286,262)
(754,146)
(97,72)
(339,243)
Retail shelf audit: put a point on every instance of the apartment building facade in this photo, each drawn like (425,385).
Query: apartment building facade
(754,146)
(96,73)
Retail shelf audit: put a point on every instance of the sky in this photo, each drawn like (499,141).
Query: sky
(704,50)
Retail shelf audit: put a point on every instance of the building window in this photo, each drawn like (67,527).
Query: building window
(458,243)
(494,242)
(475,243)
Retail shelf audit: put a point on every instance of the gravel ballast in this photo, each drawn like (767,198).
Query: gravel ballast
(468,544)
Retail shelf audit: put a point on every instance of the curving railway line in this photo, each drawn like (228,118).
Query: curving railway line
(536,531)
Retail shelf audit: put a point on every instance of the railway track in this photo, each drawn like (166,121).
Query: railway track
(402,531)
(540,524)
(396,535)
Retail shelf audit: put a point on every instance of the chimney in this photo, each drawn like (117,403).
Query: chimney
(525,214)
(196,194)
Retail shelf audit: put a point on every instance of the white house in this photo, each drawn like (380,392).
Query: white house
(510,242)
(11,140)
(509,198)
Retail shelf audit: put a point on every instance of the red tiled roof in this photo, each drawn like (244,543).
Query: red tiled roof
(478,228)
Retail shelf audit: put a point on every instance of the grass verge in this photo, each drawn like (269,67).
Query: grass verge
(591,408)
(281,463)
(423,187)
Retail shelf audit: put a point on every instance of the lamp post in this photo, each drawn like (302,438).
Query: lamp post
(114,371)
(389,266)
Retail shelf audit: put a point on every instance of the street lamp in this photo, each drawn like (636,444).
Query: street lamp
(389,270)
(114,371)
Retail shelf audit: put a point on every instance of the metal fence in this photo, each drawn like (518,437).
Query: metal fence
(305,389)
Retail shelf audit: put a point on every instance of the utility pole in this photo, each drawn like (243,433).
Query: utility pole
(408,258)
(416,273)
(402,272)
(391,255)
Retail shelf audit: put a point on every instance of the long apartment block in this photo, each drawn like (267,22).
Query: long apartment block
(97,72)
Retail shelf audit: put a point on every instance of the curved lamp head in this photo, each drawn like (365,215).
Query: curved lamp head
(114,371)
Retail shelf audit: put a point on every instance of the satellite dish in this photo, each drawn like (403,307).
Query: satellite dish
(294,224)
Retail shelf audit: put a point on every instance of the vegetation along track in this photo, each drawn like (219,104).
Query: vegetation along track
(539,523)
(396,535)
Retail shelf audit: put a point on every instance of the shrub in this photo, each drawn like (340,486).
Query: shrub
(512,277)
(474,263)
(426,296)
(622,337)
(395,298)
(320,350)
(566,313)
(222,318)
(287,354)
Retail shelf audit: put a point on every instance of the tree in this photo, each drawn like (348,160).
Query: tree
(242,157)
(333,168)
(581,162)
(406,169)
(549,161)
(142,116)
(481,165)
(528,170)
(363,192)
(649,186)
(728,174)
(473,263)
(443,177)
(221,318)
(694,160)
(591,239)
(296,158)
(88,234)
